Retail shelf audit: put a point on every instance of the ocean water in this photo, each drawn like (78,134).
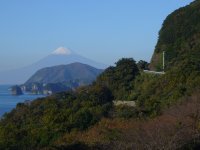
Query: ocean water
(8,101)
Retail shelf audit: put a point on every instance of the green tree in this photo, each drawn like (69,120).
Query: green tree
(119,79)
(143,65)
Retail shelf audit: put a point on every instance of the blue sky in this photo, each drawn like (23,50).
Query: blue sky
(103,30)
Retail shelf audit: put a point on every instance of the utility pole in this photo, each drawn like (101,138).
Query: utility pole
(163,61)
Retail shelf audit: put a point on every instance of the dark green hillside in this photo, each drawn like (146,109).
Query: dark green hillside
(39,124)
(179,38)
(42,122)
(120,79)
(167,111)
(81,73)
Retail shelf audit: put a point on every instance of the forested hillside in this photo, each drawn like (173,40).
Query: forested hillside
(179,37)
(75,72)
(42,122)
(166,115)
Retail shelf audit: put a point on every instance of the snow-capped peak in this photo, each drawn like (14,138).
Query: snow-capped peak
(62,51)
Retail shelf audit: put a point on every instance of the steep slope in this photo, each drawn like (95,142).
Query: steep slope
(60,121)
(179,38)
(60,56)
(78,72)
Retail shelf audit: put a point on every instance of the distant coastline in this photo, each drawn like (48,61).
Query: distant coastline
(8,101)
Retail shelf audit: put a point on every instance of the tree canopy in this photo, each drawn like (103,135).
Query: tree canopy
(119,79)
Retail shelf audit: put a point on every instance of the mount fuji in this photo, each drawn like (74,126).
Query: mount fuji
(61,56)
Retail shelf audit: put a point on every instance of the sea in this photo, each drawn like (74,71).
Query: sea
(9,101)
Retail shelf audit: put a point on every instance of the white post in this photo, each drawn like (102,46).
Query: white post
(163,61)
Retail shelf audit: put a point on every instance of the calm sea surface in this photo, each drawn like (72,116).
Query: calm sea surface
(8,101)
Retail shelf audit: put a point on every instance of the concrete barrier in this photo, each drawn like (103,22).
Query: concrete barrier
(127,103)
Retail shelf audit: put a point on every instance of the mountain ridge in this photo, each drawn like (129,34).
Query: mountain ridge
(19,76)
(65,73)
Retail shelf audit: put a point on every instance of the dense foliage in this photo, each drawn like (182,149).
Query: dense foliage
(120,79)
(41,122)
(177,128)
(70,120)
(143,65)
(179,38)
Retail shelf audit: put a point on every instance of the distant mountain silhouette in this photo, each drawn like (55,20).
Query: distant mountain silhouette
(60,56)
(75,72)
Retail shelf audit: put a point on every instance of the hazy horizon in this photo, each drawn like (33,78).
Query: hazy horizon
(102,30)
